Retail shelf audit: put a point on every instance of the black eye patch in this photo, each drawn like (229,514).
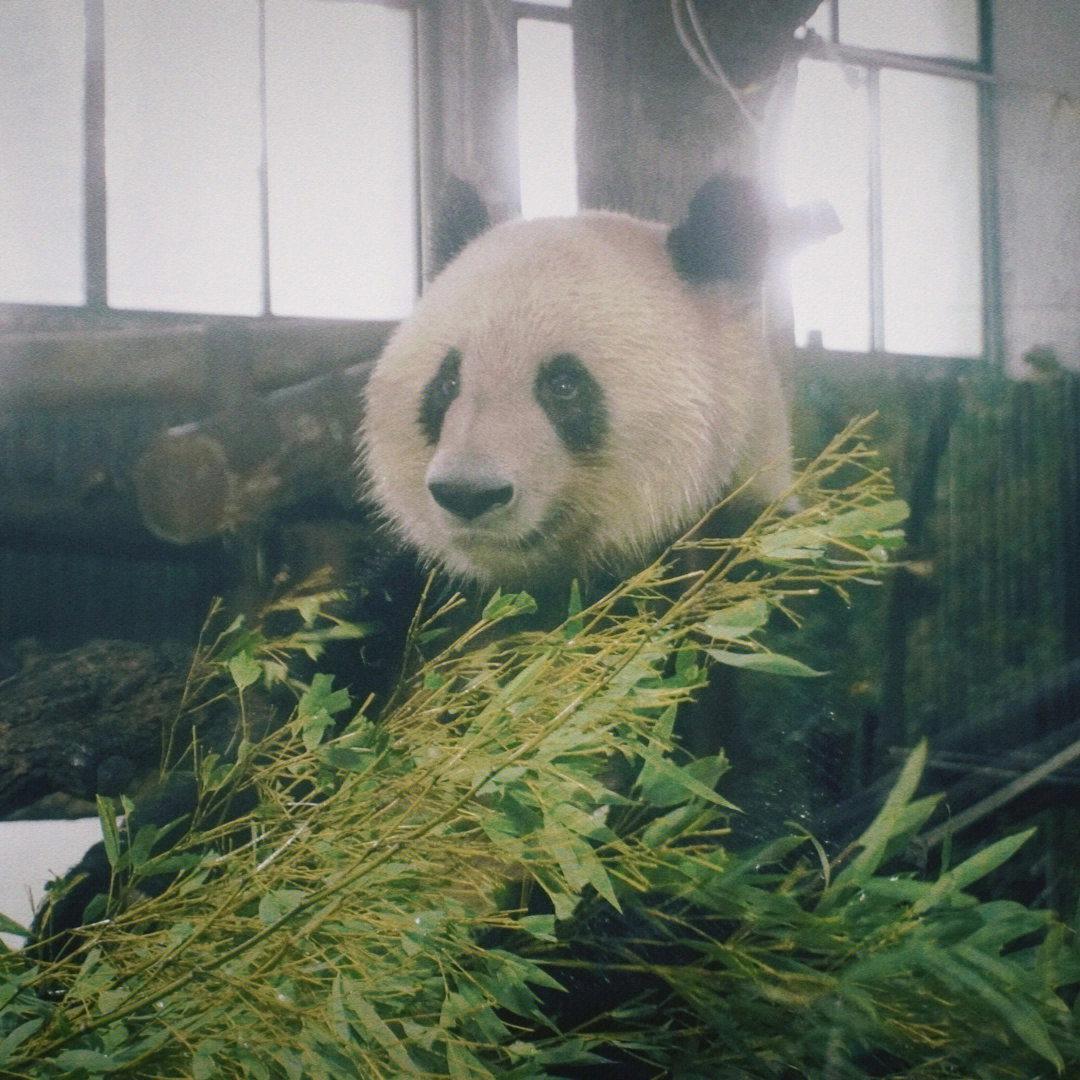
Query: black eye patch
(438,395)
(573,401)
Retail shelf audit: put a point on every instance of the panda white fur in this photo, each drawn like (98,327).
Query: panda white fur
(572,393)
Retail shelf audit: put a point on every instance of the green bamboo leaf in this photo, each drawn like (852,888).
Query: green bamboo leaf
(578,861)
(92,1061)
(321,695)
(671,825)
(10,926)
(463,1065)
(203,1066)
(663,783)
(541,927)
(16,1037)
(1010,1009)
(110,831)
(808,542)
(737,621)
(793,545)
(374,1025)
(590,826)
(349,758)
(913,816)
(245,670)
(1004,921)
(769,663)
(574,625)
(875,840)
(879,518)
(971,870)
(279,903)
(504,606)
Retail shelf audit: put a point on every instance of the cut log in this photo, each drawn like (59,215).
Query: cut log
(217,475)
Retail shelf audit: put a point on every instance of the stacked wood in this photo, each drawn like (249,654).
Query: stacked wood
(221,474)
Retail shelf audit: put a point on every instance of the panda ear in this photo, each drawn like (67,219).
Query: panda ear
(460,216)
(725,235)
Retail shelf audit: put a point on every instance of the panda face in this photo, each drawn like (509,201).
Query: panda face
(569,396)
(560,401)
(507,456)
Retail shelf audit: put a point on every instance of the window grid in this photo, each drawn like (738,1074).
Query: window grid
(95,194)
(96,299)
(872,62)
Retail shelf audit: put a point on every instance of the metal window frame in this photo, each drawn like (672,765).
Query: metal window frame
(95,191)
(978,72)
(428,157)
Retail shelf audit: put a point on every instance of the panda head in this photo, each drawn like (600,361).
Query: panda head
(572,393)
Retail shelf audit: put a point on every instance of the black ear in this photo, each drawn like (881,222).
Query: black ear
(460,216)
(725,236)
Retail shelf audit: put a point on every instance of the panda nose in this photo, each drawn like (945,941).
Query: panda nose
(469,499)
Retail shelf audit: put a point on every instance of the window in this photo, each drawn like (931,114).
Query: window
(885,124)
(238,157)
(41,168)
(257,156)
(546,117)
(329,89)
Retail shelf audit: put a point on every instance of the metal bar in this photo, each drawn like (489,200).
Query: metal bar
(819,49)
(990,232)
(264,165)
(95,253)
(427,148)
(1000,798)
(876,225)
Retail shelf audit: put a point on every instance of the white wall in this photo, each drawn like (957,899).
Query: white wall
(32,853)
(1037,53)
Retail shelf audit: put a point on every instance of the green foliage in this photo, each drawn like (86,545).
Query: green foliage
(408,895)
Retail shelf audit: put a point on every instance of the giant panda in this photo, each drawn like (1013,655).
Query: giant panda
(568,397)
(571,394)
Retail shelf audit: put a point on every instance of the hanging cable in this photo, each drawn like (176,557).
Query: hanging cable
(693,39)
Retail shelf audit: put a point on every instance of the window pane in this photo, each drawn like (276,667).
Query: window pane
(42,48)
(826,156)
(546,118)
(942,28)
(930,215)
(342,161)
(182,155)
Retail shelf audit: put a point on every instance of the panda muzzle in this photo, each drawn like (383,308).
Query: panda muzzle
(469,498)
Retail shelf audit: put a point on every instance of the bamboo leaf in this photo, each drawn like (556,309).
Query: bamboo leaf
(879,518)
(769,663)
(10,926)
(377,1028)
(15,1038)
(737,621)
(279,903)
(875,840)
(663,783)
(971,870)
(245,670)
(505,606)
(93,1062)
(110,831)
(1010,1010)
